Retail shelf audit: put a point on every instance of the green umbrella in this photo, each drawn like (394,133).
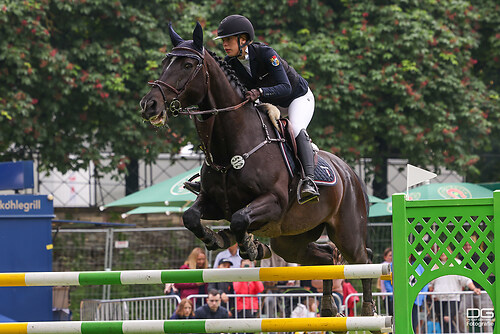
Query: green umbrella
(435,191)
(449,190)
(375,199)
(169,192)
(491,185)
(155,209)
(381,209)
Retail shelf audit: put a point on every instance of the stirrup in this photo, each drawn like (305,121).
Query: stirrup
(313,195)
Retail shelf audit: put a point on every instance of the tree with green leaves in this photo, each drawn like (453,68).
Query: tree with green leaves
(72,74)
(391,79)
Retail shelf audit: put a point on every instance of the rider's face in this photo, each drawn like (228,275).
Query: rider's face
(230,45)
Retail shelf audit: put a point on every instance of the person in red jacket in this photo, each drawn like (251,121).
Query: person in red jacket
(247,307)
(196,260)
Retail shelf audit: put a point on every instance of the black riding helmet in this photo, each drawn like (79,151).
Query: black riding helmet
(235,25)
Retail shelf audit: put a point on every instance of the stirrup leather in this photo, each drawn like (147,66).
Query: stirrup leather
(194,187)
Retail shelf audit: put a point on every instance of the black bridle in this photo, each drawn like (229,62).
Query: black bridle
(175,106)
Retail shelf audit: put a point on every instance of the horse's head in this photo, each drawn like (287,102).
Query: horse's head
(177,86)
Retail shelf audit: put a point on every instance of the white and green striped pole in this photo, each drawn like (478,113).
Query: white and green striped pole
(354,271)
(201,326)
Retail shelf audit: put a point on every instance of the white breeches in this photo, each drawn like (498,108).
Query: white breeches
(300,112)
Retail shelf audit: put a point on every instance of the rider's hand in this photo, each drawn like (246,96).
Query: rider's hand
(253,94)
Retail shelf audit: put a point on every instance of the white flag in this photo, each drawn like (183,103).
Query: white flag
(415,175)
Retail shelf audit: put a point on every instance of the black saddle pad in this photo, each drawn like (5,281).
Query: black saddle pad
(324,174)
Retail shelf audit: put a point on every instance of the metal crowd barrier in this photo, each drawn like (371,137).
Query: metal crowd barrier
(271,305)
(142,308)
(474,313)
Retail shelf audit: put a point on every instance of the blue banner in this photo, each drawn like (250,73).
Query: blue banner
(16,175)
(26,205)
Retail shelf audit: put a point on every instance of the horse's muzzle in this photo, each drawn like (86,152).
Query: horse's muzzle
(153,111)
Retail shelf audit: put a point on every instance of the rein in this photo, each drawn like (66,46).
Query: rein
(237,161)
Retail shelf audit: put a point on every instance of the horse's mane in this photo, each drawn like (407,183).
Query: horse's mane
(229,72)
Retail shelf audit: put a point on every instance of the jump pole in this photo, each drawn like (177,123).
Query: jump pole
(354,271)
(201,326)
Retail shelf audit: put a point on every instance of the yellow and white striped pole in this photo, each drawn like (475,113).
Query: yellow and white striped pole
(354,271)
(336,324)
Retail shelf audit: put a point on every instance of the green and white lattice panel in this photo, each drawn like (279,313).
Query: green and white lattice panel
(431,235)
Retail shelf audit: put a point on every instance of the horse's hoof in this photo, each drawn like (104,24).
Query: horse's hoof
(326,313)
(212,246)
(328,307)
(368,309)
(264,251)
(248,248)
(212,240)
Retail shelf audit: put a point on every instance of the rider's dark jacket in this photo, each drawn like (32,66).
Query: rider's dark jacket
(280,83)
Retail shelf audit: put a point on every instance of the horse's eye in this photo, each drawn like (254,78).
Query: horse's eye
(188,66)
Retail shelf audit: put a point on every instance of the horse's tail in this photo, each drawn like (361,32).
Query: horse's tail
(365,193)
(369,252)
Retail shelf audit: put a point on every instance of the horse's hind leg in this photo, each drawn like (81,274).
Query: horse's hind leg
(349,237)
(302,249)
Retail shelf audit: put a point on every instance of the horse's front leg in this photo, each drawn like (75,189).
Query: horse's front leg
(204,208)
(266,208)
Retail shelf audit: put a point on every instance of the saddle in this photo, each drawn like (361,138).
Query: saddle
(324,173)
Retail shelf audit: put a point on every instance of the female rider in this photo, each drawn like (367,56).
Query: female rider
(270,79)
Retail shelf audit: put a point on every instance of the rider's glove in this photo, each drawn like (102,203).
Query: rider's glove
(253,94)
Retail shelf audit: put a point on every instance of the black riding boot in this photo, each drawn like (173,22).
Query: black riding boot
(307,189)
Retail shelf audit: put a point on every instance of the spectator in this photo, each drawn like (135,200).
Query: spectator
(170,289)
(309,310)
(420,300)
(212,309)
(196,260)
(387,259)
(270,307)
(232,254)
(433,326)
(386,286)
(225,288)
(184,310)
(446,305)
(338,290)
(475,301)
(247,307)
(348,289)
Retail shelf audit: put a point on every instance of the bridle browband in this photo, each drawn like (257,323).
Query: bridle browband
(175,106)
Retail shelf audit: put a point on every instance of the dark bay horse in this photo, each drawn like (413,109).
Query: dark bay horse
(244,179)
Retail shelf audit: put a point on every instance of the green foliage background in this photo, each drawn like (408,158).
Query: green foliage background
(392,79)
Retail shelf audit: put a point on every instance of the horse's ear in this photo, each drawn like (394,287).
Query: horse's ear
(174,37)
(198,36)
